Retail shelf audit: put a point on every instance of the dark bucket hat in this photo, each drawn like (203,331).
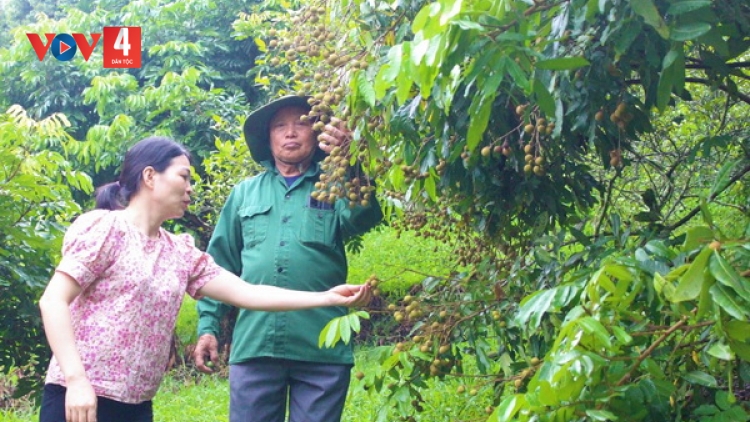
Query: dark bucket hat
(256,128)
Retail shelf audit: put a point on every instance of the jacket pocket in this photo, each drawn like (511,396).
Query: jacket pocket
(318,227)
(254,220)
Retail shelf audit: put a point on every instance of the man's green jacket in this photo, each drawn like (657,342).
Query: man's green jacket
(274,234)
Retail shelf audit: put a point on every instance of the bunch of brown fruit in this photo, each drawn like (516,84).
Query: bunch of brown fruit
(620,117)
(342,180)
(534,160)
(536,128)
(615,158)
(323,78)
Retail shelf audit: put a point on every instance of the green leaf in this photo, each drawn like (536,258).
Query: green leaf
(621,335)
(728,302)
(354,322)
(697,236)
(546,393)
(628,34)
(519,76)
(650,14)
(737,330)
(468,25)
(723,177)
(365,90)
(429,187)
(708,218)
(450,10)
(480,115)
(741,349)
(689,31)
(667,81)
(405,78)
(384,79)
(728,276)
(533,307)
(562,63)
(686,6)
(705,303)
(601,415)
(700,378)
(363,314)
(481,106)
(543,98)
(689,286)
(423,17)
(345,331)
(595,328)
(720,351)
(389,71)
(330,334)
(508,408)
(618,271)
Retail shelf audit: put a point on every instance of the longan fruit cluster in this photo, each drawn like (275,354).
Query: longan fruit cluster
(536,128)
(320,79)
(373,281)
(412,173)
(339,180)
(430,343)
(615,157)
(621,117)
(534,161)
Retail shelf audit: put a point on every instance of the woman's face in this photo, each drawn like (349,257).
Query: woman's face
(172,187)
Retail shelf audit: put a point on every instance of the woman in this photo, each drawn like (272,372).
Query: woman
(110,308)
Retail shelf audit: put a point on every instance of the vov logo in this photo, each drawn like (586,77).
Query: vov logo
(122,46)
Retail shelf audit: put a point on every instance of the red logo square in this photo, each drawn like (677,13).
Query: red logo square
(122,46)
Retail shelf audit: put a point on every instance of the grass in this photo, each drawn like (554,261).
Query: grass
(19,416)
(187,396)
(206,398)
(396,261)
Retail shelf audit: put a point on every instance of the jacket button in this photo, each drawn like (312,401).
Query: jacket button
(280,269)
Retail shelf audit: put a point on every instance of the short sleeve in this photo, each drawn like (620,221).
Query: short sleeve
(202,267)
(89,247)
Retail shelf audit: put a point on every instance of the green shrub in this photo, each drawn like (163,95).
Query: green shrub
(187,322)
(398,260)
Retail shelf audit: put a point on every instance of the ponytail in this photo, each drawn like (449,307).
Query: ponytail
(109,197)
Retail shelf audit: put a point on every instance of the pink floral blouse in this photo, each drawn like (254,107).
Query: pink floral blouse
(132,288)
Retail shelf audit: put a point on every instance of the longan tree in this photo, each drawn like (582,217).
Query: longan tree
(575,153)
(521,131)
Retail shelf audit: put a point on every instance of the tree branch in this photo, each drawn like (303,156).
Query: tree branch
(697,209)
(607,201)
(650,350)
(698,64)
(742,97)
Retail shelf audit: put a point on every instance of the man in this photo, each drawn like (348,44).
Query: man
(271,231)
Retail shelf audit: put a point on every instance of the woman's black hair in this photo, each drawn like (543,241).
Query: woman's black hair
(154,151)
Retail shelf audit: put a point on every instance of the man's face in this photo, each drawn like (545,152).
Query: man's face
(292,140)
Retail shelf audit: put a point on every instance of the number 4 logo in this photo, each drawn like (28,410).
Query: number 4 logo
(122,46)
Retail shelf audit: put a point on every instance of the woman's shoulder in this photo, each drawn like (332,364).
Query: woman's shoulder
(93,219)
(181,241)
(98,223)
